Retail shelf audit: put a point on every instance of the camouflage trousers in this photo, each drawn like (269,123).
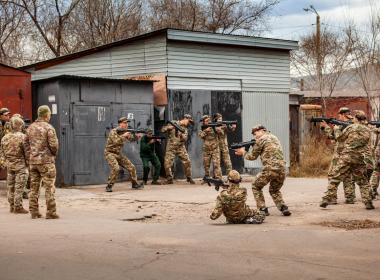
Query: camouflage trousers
(348,184)
(374,181)
(213,156)
(16,181)
(254,214)
(156,165)
(345,168)
(275,178)
(117,160)
(170,154)
(225,157)
(42,175)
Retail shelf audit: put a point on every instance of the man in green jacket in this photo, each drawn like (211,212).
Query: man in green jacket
(147,155)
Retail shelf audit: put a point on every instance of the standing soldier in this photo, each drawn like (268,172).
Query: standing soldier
(15,158)
(231,202)
(344,114)
(175,146)
(147,154)
(211,150)
(352,161)
(42,147)
(223,143)
(115,157)
(268,147)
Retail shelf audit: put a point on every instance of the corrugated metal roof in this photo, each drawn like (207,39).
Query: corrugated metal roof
(180,35)
(73,77)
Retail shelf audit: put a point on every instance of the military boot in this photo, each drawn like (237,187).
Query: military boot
(156,182)
(137,186)
(324,203)
(109,188)
(20,210)
(265,210)
(11,209)
(36,215)
(369,205)
(190,180)
(285,210)
(52,216)
(169,181)
(350,201)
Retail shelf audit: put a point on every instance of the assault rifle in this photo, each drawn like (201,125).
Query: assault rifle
(176,127)
(216,182)
(246,145)
(375,123)
(218,124)
(157,137)
(330,121)
(120,130)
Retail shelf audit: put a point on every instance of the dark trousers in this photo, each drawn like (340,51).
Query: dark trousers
(156,165)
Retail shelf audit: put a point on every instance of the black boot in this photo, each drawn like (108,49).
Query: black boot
(285,211)
(109,188)
(190,180)
(137,186)
(265,210)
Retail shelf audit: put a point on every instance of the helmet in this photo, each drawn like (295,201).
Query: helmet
(234,177)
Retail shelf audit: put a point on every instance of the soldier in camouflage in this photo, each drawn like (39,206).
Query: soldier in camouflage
(176,146)
(223,143)
(356,139)
(14,155)
(344,114)
(42,148)
(231,202)
(269,149)
(211,150)
(115,157)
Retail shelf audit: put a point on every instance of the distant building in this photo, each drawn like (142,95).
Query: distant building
(244,78)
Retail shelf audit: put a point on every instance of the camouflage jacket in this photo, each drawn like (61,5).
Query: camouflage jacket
(115,142)
(356,142)
(232,204)
(336,135)
(172,139)
(13,151)
(41,142)
(222,136)
(210,139)
(269,149)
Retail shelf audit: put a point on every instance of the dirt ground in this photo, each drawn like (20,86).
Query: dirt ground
(164,232)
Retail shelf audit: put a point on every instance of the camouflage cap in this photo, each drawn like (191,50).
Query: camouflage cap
(123,120)
(4,111)
(344,110)
(188,117)
(204,117)
(360,115)
(16,123)
(43,111)
(149,130)
(258,127)
(234,176)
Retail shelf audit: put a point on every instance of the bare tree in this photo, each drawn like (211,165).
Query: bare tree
(335,58)
(50,18)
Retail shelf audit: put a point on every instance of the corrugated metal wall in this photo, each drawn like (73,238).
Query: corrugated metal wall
(259,70)
(137,58)
(270,109)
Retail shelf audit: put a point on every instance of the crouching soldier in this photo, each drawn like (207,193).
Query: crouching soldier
(115,158)
(231,203)
(147,154)
(14,156)
(269,149)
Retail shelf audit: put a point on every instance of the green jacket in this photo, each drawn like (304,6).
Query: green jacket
(146,149)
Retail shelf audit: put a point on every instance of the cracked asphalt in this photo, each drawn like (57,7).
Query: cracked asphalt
(163,232)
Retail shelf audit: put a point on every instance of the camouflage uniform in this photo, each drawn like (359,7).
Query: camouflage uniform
(175,146)
(269,149)
(356,138)
(115,158)
(223,147)
(348,183)
(15,158)
(232,204)
(211,151)
(5,128)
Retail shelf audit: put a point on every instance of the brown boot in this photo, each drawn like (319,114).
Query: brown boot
(52,216)
(36,215)
(20,210)
(11,209)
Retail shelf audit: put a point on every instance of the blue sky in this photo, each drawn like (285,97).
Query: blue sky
(290,21)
